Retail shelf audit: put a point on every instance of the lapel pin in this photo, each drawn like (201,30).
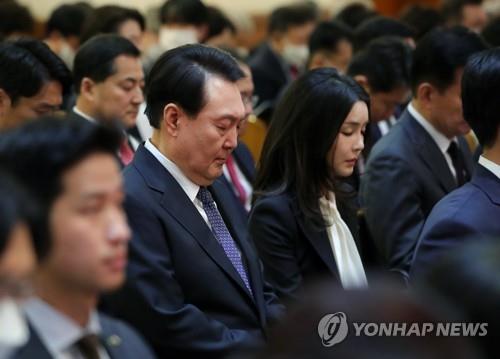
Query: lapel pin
(114,340)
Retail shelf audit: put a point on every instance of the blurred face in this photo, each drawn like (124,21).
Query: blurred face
(383,104)
(131,30)
(48,100)
(341,58)
(474,17)
(89,228)
(446,109)
(246,87)
(204,142)
(120,95)
(299,35)
(17,262)
(350,141)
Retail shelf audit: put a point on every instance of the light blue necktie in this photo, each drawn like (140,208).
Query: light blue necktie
(222,234)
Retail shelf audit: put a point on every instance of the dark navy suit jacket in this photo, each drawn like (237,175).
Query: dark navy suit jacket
(471,212)
(294,252)
(182,292)
(406,175)
(119,340)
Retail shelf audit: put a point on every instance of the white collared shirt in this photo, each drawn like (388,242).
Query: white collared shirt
(82,114)
(190,188)
(490,165)
(441,140)
(59,333)
(247,186)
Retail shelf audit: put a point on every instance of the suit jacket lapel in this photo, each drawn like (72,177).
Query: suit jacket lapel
(34,348)
(179,206)
(318,239)
(111,341)
(429,152)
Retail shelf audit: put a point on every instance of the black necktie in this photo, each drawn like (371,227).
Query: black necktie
(458,162)
(87,345)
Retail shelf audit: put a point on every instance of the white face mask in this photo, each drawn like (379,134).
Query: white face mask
(295,54)
(14,331)
(171,38)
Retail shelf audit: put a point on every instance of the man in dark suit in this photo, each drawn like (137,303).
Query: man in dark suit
(279,60)
(70,169)
(471,212)
(194,284)
(108,82)
(424,156)
(239,170)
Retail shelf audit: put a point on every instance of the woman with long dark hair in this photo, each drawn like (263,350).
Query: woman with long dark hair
(303,222)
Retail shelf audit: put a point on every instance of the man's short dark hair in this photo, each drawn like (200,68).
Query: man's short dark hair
(386,63)
(327,36)
(179,76)
(284,17)
(67,19)
(480,89)
(354,14)
(108,19)
(192,12)
(491,32)
(39,152)
(96,58)
(27,65)
(440,53)
(15,18)
(218,22)
(452,10)
(379,26)
(422,19)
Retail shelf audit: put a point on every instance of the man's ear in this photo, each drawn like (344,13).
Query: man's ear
(172,115)
(425,93)
(87,88)
(362,80)
(5,103)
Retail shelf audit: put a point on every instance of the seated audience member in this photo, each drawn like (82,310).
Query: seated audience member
(383,69)
(467,13)
(423,157)
(63,30)
(239,169)
(70,169)
(108,83)
(112,19)
(354,14)
(466,277)
(472,211)
(330,45)
(283,56)
(15,21)
(422,19)
(221,31)
(302,222)
(17,264)
(194,283)
(33,81)
(379,26)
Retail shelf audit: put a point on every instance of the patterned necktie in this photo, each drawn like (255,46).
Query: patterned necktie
(242,196)
(87,345)
(458,162)
(126,152)
(222,234)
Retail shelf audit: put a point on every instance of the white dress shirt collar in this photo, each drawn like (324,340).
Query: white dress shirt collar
(82,114)
(187,185)
(490,165)
(56,331)
(441,140)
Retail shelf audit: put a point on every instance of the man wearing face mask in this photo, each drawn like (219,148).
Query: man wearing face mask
(283,56)
(182,22)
